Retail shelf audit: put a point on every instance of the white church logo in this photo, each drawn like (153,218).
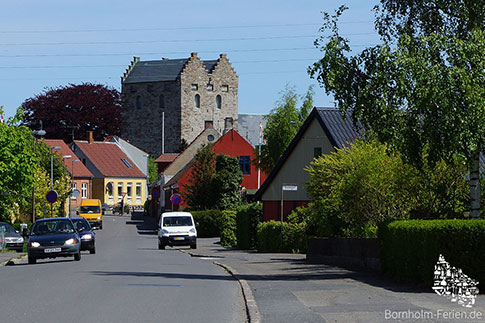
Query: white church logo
(454,284)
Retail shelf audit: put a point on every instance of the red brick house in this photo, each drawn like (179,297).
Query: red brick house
(231,144)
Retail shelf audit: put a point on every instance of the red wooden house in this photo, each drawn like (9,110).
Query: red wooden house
(231,144)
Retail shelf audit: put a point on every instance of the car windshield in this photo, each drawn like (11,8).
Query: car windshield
(81,224)
(52,227)
(90,209)
(5,227)
(177,221)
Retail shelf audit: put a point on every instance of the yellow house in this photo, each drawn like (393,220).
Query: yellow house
(115,175)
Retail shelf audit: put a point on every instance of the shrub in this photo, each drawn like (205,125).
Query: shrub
(275,236)
(228,228)
(247,219)
(209,223)
(410,249)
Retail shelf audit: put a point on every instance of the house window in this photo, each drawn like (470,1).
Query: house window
(120,191)
(73,186)
(161,101)
(138,192)
(197,101)
(129,192)
(317,152)
(84,190)
(225,88)
(138,102)
(127,163)
(245,163)
(210,87)
(218,102)
(194,87)
(109,190)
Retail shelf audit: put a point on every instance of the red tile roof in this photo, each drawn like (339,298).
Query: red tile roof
(79,169)
(166,158)
(108,158)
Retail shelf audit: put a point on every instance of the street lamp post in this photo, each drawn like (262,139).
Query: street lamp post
(72,180)
(35,133)
(52,174)
(64,158)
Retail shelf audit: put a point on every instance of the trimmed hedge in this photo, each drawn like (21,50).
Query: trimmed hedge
(276,236)
(209,223)
(247,220)
(409,250)
(228,228)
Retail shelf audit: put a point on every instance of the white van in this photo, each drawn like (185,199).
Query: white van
(177,229)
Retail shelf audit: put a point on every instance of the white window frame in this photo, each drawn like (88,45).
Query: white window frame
(129,191)
(118,186)
(138,192)
(84,190)
(73,187)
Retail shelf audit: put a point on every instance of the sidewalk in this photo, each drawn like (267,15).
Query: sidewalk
(286,288)
(5,257)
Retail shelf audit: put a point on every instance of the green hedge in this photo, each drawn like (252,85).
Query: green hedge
(247,220)
(209,223)
(228,228)
(410,249)
(275,236)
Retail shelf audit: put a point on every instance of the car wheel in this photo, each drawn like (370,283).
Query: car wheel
(93,250)
(161,246)
(32,260)
(77,256)
(193,246)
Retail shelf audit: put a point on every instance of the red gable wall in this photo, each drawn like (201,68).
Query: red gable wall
(234,145)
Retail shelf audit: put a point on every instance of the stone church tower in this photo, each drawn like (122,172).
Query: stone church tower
(170,100)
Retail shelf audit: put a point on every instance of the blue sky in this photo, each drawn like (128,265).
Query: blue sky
(52,43)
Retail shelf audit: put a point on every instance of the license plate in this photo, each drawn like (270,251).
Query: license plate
(49,250)
(179,238)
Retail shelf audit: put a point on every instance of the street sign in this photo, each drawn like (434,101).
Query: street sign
(290,187)
(123,194)
(75,193)
(51,196)
(175,198)
(155,194)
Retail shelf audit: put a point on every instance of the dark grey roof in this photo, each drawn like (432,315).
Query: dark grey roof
(162,70)
(341,131)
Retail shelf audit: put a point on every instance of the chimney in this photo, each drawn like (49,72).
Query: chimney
(227,124)
(90,137)
(208,124)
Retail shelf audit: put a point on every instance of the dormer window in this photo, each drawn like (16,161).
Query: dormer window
(127,163)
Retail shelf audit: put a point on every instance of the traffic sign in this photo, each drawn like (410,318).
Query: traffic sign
(155,194)
(175,198)
(51,196)
(75,193)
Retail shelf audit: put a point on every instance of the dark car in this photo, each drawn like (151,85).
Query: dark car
(51,238)
(13,240)
(86,233)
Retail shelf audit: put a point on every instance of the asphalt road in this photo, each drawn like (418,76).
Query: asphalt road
(127,280)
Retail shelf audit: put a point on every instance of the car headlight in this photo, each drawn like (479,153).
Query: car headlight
(34,244)
(20,240)
(164,231)
(99,218)
(192,230)
(71,242)
(87,237)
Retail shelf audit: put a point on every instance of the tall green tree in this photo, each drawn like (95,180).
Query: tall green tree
(199,192)
(282,124)
(17,166)
(423,87)
(227,183)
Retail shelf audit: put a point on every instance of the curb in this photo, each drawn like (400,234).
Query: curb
(251,306)
(13,261)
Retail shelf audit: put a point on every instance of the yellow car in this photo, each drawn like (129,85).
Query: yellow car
(91,210)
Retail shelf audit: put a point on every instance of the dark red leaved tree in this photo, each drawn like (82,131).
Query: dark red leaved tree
(75,109)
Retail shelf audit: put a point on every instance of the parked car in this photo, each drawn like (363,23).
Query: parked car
(92,211)
(177,229)
(51,238)
(13,240)
(86,233)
